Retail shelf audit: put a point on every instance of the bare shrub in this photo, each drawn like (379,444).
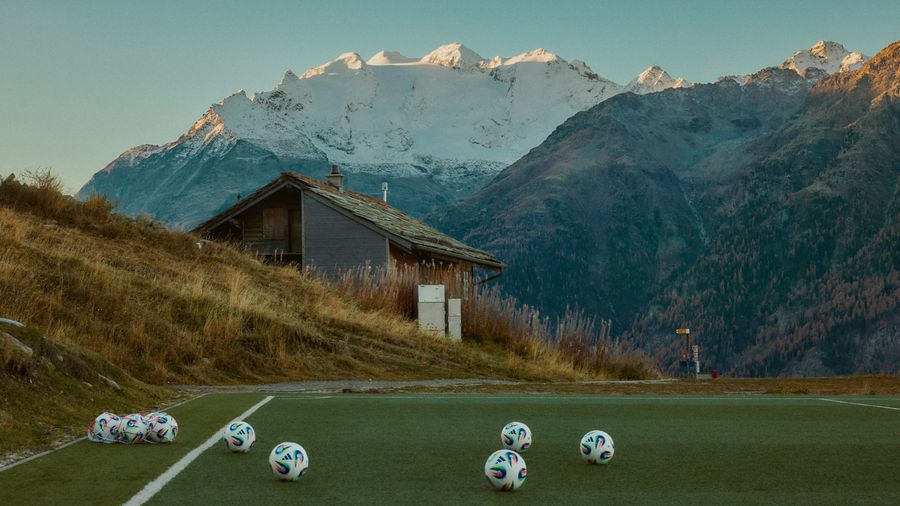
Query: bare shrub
(43,179)
(98,206)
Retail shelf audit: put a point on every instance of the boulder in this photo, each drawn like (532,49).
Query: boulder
(18,348)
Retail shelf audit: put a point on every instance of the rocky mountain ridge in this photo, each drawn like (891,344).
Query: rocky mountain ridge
(764,215)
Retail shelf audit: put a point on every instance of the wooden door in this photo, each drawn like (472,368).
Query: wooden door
(273,223)
(295,231)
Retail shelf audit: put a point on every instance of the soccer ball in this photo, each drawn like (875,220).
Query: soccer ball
(105,428)
(597,447)
(132,429)
(161,428)
(288,461)
(239,437)
(516,436)
(149,417)
(505,470)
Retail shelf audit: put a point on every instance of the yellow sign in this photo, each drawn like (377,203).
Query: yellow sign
(682,331)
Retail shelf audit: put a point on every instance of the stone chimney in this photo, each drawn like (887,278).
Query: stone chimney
(335,179)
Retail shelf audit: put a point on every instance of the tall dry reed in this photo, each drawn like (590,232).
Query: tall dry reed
(489,315)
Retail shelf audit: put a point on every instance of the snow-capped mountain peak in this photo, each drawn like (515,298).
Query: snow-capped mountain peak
(453,55)
(392,111)
(287,79)
(825,55)
(346,62)
(436,128)
(536,55)
(654,74)
(456,55)
(390,58)
(654,79)
(823,58)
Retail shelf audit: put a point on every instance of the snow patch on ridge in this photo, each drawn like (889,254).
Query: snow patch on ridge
(825,55)
(539,55)
(654,79)
(390,58)
(346,62)
(133,156)
(453,55)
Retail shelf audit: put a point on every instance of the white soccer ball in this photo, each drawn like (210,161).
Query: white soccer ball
(239,437)
(149,417)
(162,428)
(132,429)
(288,461)
(597,447)
(516,436)
(105,428)
(505,470)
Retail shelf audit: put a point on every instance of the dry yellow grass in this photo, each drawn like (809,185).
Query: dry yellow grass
(166,310)
(573,341)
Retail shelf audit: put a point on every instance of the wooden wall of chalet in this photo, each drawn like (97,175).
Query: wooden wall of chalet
(335,242)
(274,224)
(426,262)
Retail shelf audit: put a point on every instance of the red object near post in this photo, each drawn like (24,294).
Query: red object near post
(715,374)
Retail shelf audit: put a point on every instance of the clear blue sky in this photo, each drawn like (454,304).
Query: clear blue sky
(80,82)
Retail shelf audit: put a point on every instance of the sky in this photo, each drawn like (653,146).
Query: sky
(81,82)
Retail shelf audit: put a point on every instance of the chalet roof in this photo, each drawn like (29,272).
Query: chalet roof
(363,207)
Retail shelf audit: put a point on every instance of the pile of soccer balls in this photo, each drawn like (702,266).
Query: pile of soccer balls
(288,461)
(156,427)
(505,469)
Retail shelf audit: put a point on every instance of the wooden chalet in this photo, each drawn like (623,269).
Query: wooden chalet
(300,219)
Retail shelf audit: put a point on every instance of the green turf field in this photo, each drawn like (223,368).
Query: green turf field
(431,448)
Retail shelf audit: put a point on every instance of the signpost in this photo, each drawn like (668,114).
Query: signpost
(696,350)
(688,352)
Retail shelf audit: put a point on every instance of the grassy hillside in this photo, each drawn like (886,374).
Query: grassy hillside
(167,309)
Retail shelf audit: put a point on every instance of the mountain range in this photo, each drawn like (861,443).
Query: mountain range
(761,211)
(436,128)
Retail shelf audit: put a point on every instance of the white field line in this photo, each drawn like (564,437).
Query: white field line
(859,404)
(82,438)
(303,398)
(156,485)
(561,397)
(582,397)
(39,455)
